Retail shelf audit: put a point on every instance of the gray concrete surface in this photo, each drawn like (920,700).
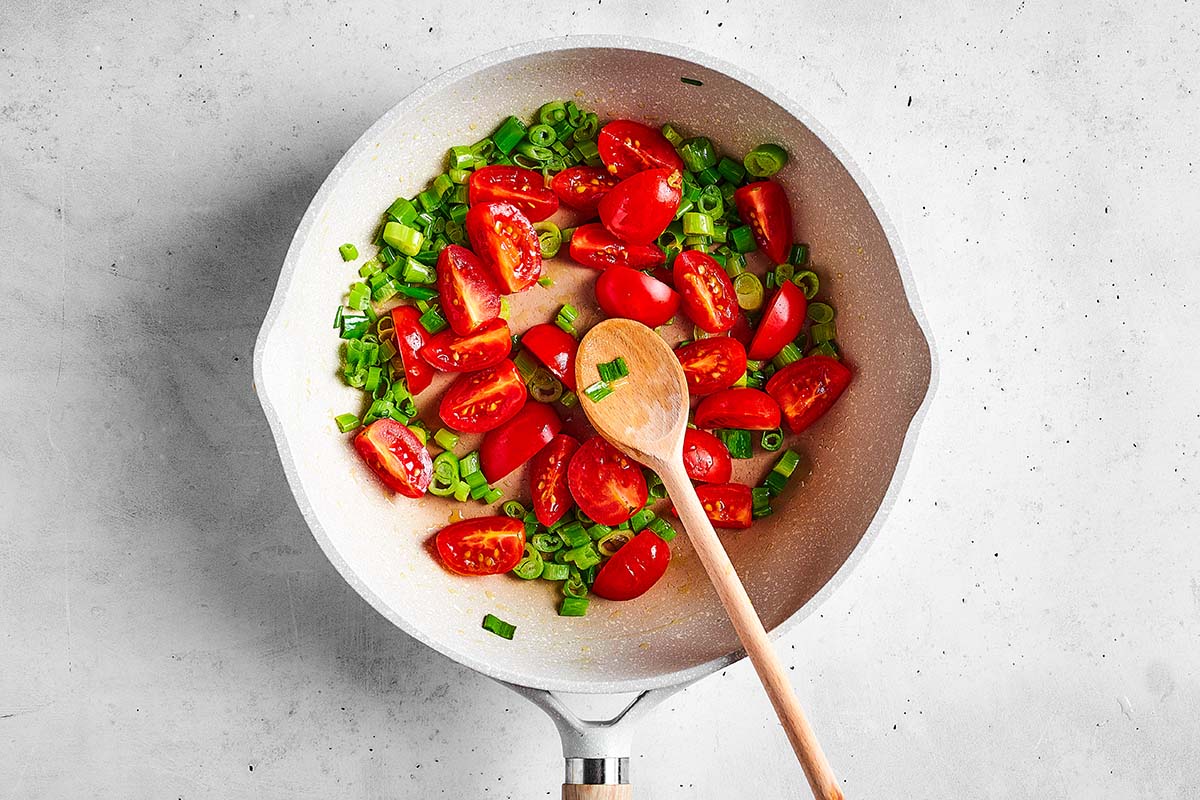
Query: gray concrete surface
(1026,625)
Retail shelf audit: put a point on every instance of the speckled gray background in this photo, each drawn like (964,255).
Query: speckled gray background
(1025,626)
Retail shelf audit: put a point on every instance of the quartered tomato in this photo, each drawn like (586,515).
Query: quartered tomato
(396,455)
(582,187)
(480,401)
(593,246)
(555,348)
(518,440)
(805,389)
(608,485)
(745,408)
(468,297)
(482,546)
(548,480)
(411,336)
(523,188)
(712,364)
(628,147)
(764,207)
(705,457)
(625,292)
(780,323)
(506,242)
(708,296)
(728,505)
(634,568)
(638,209)
(450,352)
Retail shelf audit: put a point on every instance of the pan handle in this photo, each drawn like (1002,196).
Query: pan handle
(594,792)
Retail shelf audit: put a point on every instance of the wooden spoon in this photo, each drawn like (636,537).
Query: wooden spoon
(645,417)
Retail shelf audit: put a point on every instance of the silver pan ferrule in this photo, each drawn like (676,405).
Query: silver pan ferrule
(595,771)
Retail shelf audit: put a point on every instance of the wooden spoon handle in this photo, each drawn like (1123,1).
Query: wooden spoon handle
(751,632)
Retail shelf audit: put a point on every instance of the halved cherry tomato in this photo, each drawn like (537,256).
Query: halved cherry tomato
(805,389)
(411,336)
(523,188)
(628,147)
(780,323)
(555,348)
(468,297)
(507,244)
(708,296)
(764,207)
(728,505)
(593,246)
(705,457)
(548,480)
(712,364)
(741,330)
(480,401)
(625,292)
(745,408)
(396,455)
(638,209)
(582,187)
(488,345)
(634,568)
(607,484)
(482,546)
(518,440)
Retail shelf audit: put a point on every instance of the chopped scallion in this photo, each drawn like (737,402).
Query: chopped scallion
(573,607)
(346,422)
(504,630)
(598,391)
(349,252)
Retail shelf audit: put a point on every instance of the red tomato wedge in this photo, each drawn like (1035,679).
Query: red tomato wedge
(638,209)
(593,246)
(628,147)
(480,401)
(607,484)
(780,323)
(806,389)
(518,440)
(625,292)
(488,345)
(727,505)
(741,330)
(582,187)
(396,455)
(705,457)
(507,244)
(468,297)
(745,408)
(708,296)
(523,188)
(411,336)
(482,546)
(764,207)
(634,568)
(555,348)
(548,480)
(712,364)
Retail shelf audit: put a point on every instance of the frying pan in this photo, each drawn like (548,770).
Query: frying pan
(676,633)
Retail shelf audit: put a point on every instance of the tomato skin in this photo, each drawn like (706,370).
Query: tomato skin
(727,505)
(634,568)
(487,346)
(763,206)
(607,484)
(780,323)
(807,388)
(582,187)
(628,147)
(523,188)
(411,336)
(741,407)
(741,330)
(548,479)
(708,296)
(482,546)
(468,297)
(396,455)
(638,209)
(479,401)
(593,246)
(518,440)
(555,348)
(625,292)
(507,244)
(705,457)
(712,364)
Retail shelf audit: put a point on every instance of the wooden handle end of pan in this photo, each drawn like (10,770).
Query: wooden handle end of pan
(606,791)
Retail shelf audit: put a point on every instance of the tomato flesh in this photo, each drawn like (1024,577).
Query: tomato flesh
(582,187)
(411,336)
(512,444)
(628,147)
(607,484)
(705,457)
(468,297)
(764,207)
(555,348)
(807,388)
(712,364)
(638,209)
(488,345)
(708,296)
(507,244)
(727,505)
(780,323)
(742,407)
(548,479)
(593,246)
(625,292)
(396,455)
(479,401)
(634,568)
(523,188)
(482,546)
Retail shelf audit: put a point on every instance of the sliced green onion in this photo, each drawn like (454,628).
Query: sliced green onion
(346,422)
(696,223)
(820,312)
(739,442)
(359,296)
(614,370)
(787,462)
(798,255)
(612,542)
(824,349)
(749,291)
(574,534)
(547,542)
(784,273)
(772,440)
(568,312)
(765,160)
(662,528)
(405,239)
(788,354)
(761,499)
(349,252)
(774,483)
(555,572)
(462,491)
(731,170)
(510,132)
(513,508)
(672,135)
(416,272)
(698,153)
(544,387)
(573,606)
(468,465)
(641,519)
(492,495)
(433,321)
(354,326)
(583,556)
(711,202)
(655,487)
(550,239)
(808,282)
(369,267)
(691,81)
(598,531)
(823,332)
(494,624)
(598,391)
(742,239)
(542,135)
(530,566)
(552,113)
(446,439)
(445,475)
(568,399)
(565,325)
